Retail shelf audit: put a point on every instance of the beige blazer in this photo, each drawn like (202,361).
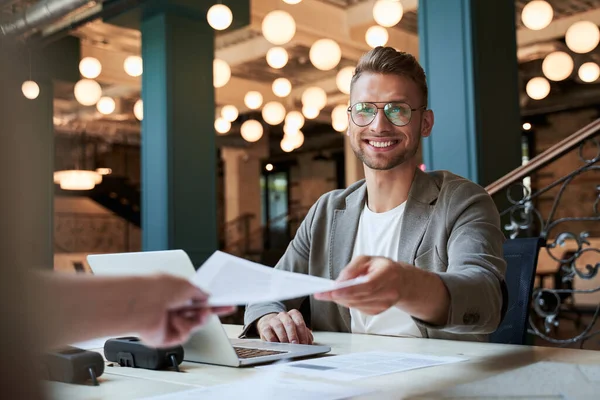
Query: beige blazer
(450,226)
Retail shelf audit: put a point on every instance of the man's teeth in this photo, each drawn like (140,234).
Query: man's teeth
(381,144)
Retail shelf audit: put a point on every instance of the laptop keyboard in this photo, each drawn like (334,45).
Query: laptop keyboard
(243,352)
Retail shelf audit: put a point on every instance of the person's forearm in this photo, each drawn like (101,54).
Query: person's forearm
(83,307)
(426,298)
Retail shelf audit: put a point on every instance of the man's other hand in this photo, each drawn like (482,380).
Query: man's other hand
(285,327)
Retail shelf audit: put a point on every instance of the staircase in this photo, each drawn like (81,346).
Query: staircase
(266,244)
(120,196)
(571,233)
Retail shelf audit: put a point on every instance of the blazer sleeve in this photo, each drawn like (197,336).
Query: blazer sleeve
(295,259)
(475,277)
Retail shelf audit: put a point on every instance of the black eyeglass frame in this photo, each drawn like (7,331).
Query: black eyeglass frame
(385,103)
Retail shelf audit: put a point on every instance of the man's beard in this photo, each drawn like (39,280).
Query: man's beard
(385,163)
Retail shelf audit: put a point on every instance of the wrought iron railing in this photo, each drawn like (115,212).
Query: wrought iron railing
(242,241)
(572,241)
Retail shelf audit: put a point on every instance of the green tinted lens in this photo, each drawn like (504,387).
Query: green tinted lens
(363,113)
(398,113)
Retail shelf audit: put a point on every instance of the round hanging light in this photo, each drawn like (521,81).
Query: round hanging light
(221,73)
(90,67)
(77,179)
(340,125)
(538,88)
(310,112)
(87,92)
(273,113)
(229,113)
(281,87)
(298,139)
(138,109)
(292,1)
(277,57)
(104,171)
(106,105)
(589,72)
(537,15)
(30,89)
(253,99)
(376,36)
(251,130)
(222,125)
(325,54)
(294,120)
(287,144)
(387,12)
(219,17)
(557,66)
(290,130)
(582,37)
(343,79)
(278,27)
(314,97)
(339,118)
(133,66)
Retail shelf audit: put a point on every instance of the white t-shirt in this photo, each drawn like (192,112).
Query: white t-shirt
(379,235)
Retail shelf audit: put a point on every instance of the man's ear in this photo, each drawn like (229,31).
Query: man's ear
(427,125)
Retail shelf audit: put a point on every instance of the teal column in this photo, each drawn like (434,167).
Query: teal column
(27,149)
(179,165)
(468,51)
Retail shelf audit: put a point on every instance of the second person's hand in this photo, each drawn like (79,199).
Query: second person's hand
(170,309)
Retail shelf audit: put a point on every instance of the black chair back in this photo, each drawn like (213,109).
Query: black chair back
(521,257)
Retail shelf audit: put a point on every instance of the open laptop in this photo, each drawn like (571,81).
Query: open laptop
(210,344)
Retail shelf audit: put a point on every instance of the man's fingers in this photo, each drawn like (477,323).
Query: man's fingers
(311,338)
(301,328)
(279,329)
(362,290)
(357,267)
(325,296)
(290,327)
(267,334)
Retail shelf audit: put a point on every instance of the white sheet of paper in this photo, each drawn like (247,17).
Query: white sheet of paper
(92,344)
(265,388)
(541,380)
(232,280)
(349,367)
(98,343)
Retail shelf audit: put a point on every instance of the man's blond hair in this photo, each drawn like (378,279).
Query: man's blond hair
(389,61)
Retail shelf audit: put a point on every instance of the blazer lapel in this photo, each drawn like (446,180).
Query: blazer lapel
(421,197)
(343,236)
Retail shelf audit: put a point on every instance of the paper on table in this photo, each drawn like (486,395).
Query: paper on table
(264,388)
(542,380)
(98,343)
(232,280)
(349,367)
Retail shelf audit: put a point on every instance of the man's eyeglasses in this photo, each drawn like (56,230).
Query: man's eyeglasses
(398,113)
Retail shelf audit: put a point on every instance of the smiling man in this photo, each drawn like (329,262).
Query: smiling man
(430,244)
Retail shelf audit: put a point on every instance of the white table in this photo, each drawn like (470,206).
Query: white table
(485,360)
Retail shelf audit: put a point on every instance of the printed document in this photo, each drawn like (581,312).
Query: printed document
(349,367)
(232,280)
(260,388)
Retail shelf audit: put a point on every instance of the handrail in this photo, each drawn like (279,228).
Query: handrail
(545,158)
(258,232)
